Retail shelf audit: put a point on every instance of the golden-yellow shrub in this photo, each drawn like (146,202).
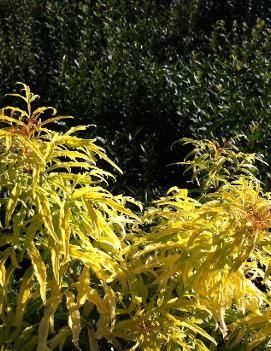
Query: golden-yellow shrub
(79,269)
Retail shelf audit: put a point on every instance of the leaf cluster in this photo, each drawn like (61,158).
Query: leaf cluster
(60,230)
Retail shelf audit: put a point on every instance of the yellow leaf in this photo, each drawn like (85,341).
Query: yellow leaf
(30,232)
(55,264)
(74,320)
(102,155)
(34,97)
(45,211)
(39,269)
(73,130)
(12,202)
(2,281)
(14,259)
(267,271)
(11,120)
(73,155)
(68,165)
(41,110)
(23,295)
(83,286)
(110,301)
(54,119)
(49,312)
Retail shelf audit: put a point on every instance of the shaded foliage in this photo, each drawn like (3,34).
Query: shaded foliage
(147,72)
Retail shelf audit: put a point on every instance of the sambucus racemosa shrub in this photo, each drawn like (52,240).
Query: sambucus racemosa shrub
(78,268)
(61,230)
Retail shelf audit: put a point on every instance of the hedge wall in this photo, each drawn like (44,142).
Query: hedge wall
(146,73)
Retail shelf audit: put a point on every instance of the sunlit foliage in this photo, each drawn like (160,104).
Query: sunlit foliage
(61,232)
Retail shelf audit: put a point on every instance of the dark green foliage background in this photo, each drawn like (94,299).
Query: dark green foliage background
(146,73)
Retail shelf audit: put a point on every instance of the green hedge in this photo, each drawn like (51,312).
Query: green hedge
(146,72)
